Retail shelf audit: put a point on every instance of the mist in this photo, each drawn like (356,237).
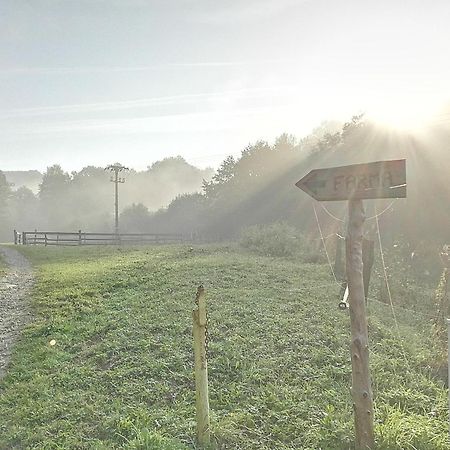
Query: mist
(255,188)
(60,201)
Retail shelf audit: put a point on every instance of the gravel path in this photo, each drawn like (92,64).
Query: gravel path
(14,292)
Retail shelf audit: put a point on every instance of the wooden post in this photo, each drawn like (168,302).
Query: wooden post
(79,237)
(201,369)
(15,237)
(45,237)
(24,238)
(361,384)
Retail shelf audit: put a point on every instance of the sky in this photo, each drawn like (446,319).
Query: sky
(91,82)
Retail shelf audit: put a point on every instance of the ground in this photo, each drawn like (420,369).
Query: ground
(120,374)
(15,285)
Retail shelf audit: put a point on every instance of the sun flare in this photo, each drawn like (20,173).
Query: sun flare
(404,115)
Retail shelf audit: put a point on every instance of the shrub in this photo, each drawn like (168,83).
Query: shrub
(278,239)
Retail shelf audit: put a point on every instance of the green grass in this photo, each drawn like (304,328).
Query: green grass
(121,375)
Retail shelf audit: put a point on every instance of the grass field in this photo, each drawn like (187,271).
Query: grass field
(121,372)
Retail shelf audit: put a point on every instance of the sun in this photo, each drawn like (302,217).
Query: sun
(404,114)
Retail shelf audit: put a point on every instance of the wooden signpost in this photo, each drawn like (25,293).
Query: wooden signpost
(381,179)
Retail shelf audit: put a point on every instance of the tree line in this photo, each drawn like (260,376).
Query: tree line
(258,187)
(85,199)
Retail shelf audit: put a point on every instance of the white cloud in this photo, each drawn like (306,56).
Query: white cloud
(194,122)
(241,11)
(245,93)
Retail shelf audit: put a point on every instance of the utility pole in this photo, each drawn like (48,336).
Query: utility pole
(116,169)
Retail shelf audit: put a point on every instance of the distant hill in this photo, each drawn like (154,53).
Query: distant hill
(29,178)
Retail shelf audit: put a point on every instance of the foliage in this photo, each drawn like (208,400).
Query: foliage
(277,239)
(223,176)
(185,214)
(442,303)
(5,194)
(413,275)
(85,199)
(256,188)
(5,191)
(121,375)
(135,219)
(54,183)
(259,186)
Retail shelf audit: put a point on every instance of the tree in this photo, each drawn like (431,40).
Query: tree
(135,219)
(24,206)
(186,214)
(54,183)
(224,175)
(54,196)
(5,191)
(5,217)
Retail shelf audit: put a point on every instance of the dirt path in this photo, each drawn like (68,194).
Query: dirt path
(14,292)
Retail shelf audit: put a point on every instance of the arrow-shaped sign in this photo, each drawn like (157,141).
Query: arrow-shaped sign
(380,179)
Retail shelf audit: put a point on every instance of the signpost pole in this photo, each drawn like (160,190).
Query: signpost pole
(361,384)
(379,179)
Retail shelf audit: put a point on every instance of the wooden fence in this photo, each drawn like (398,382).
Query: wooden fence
(83,238)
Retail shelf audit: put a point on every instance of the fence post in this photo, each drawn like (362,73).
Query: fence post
(79,237)
(15,237)
(201,369)
(45,237)
(24,238)
(35,236)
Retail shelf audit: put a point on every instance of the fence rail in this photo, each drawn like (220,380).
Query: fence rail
(83,238)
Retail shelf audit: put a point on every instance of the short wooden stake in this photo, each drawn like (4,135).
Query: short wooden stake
(361,384)
(201,369)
